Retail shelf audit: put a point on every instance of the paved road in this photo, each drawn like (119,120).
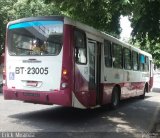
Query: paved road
(134,118)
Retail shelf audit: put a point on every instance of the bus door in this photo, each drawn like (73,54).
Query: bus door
(94,60)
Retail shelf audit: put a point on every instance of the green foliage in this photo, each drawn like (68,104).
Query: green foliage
(5,6)
(26,8)
(146,21)
(101,14)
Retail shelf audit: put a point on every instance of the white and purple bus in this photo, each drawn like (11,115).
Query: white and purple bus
(56,60)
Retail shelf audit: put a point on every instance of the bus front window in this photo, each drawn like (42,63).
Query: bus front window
(35,38)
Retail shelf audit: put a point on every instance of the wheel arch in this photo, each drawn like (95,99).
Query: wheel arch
(116,96)
(119,89)
(146,86)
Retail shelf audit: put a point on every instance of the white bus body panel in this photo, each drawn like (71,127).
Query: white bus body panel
(45,81)
(121,76)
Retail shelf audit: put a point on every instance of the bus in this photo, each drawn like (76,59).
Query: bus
(57,60)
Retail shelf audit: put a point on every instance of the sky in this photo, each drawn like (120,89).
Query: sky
(126,28)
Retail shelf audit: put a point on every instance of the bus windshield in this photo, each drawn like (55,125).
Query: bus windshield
(35,38)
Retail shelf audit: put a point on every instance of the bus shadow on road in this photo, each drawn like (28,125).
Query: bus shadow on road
(71,115)
(62,114)
(103,119)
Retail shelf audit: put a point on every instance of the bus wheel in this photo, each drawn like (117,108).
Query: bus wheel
(144,92)
(115,98)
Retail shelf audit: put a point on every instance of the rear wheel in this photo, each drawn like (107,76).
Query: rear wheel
(115,98)
(144,93)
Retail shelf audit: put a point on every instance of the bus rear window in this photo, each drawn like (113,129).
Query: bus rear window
(35,38)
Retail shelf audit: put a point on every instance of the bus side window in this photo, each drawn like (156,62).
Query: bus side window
(117,56)
(142,62)
(127,59)
(107,54)
(135,60)
(80,47)
(146,65)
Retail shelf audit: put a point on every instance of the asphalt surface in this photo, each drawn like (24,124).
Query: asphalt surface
(134,118)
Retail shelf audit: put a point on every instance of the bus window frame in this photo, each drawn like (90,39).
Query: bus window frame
(106,56)
(77,48)
(146,63)
(124,56)
(113,57)
(136,60)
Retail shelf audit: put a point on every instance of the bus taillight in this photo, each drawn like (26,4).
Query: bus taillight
(64,72)
(4,76)
(64,81)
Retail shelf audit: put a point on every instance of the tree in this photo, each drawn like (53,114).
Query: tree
(14,9)
(26,8)
(101,14)
(5,6)
(145,19)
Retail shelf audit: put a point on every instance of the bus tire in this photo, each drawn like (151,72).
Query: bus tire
(144,93)
(115,99)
